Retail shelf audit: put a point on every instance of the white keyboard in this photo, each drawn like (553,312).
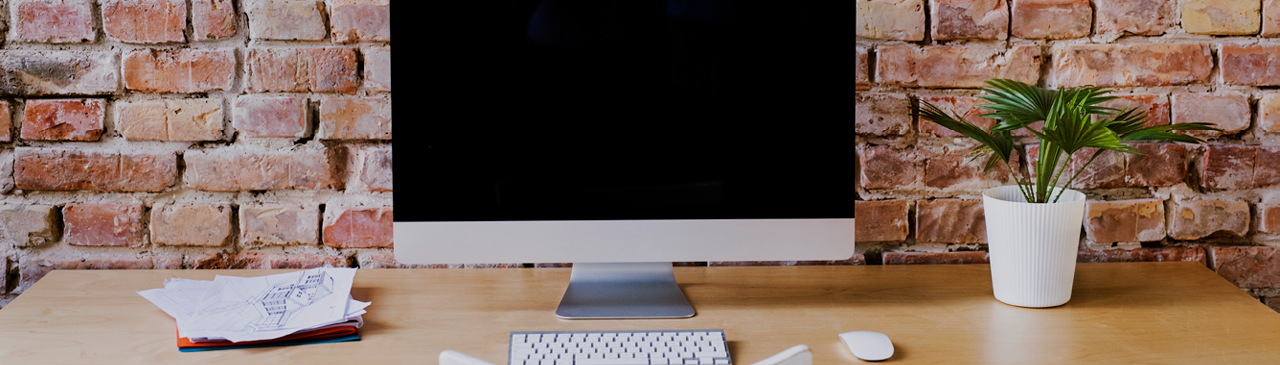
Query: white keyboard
(619,348)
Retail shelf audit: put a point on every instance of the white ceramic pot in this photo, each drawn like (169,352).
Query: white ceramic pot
(1032,246)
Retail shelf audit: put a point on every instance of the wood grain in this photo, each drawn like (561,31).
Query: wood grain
(1124,313)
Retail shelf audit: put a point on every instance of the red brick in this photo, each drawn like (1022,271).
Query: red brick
(1266,166)
(103,224)
(950,221)
(39,73)
(881,221)
(322,70)
(145,21)
(170,120)
(237,170)
(1269,113)
(963,106)
(1227,111)
(6,122)
(103,170)
(1158,164)
(1221,17)
(957,170)
(956,66)
(377,68)
(1051,19)
(1249,267)
(1106,171)
(28,225)
(1140,220)
(53,21)
(1249,64)
(1154,106)
(860,80)
(1269,218)
(179,71)
(1270,21)
(1227,167)
(33,268)
(373,170)
(351,227)
(212,19)
(1132,65)
(1141,17)
(360,20)
(271,116)
(882,114)
(935,258)
(280,224)
(1196,219)
(63,120)
(286,19)
(263,260)
(355,118)
(969,19)
(857,259)
(187,224)
(1194,254)
(888,167)
(890,20)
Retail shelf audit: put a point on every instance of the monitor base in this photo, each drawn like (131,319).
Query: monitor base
(623,291)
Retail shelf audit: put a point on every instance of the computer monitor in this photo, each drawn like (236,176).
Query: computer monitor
(621,136)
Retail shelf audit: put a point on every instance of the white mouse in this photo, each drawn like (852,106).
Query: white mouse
(867,345)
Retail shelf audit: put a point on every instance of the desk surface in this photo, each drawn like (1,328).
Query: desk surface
(1119,313)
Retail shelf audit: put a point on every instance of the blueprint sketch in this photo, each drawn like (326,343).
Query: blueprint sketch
(266,307)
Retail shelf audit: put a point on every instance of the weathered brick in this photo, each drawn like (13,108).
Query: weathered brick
(935,258)
(187,224)
(377,68)
(387,260)
(964,106)
(1269,113)
(286,19)
(860,79)
(887,167)
(32,268)
(950,221)
(145,21)
(1108,170)
(179,71)
(958,170)
(1227,111)
(6,122)
(63,119)
(103,224)
(322,70)
(280,224)
(53,21)
(39,73)
(882,114)
(212,19)
(1140,220)
(1132,65)
(1051,19)
(1227,167)
(1157,164)
(1194,254)
(1222,17)
(900,20)
(262,260)
(1154,106)
(360,20)
(237,170)
(1196,219)
(1248,267)
(969,19)
(957,66)
(363,118)
(6,173)
(1255,65)
(1269,218)
(881,221)
(170,120)
(357,227)
(1266,166)
(101,170)
(271,116)
(1141,17)
(856,259)
(372,170)
(28,225)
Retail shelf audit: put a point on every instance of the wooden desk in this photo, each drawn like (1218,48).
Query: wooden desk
(1120,313)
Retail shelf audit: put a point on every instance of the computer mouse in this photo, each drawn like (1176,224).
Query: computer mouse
(867,345)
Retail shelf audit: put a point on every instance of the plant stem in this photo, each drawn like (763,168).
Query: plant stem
(1073,178)
(1021,187)
(1065,164)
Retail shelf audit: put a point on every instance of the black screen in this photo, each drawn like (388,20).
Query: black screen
(586,110)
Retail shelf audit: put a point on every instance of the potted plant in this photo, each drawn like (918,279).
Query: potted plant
(1033,227)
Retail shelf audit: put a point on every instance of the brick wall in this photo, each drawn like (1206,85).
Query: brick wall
(1178,61)
(165,134)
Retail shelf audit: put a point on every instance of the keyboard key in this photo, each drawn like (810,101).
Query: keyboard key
(614,362)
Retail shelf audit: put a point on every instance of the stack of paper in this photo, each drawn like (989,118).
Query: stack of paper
(311,306)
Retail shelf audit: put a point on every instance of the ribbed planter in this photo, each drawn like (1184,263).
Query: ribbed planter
(1032,247)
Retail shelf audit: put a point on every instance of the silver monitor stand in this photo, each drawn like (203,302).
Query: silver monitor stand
(623,291)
